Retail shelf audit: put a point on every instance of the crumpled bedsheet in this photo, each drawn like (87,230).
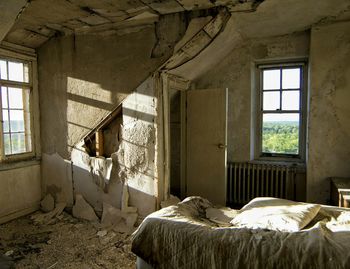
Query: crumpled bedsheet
(181,237)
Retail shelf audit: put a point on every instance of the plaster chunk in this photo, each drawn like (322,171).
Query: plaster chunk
(118,220)
(47,204)
(125,201)
(82,210)
(47,218)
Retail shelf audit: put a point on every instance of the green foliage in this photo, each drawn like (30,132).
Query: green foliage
(280,137)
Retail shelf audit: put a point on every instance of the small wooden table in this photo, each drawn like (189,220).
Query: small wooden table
(340,191)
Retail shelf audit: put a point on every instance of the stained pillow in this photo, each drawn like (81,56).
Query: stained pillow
(275,214)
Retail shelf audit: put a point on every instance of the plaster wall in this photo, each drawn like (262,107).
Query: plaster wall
(329,118)
(234,72)
(9,13)
(82,79)
(137,152)
(20,191)
(131,165)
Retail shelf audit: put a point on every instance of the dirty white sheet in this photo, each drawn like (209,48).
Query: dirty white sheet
(182,237)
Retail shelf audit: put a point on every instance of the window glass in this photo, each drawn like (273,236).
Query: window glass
(26,73)
(3,69)
(7,144)
(15,107)
(291,78)
(18,143)
(290,100)
(5,120)
(16,121)
(16,71)
(271,100)
(4,97)
(280,133)
(15,98)
(271,79)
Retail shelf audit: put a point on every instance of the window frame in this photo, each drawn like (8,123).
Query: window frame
(284,64)
(31,62)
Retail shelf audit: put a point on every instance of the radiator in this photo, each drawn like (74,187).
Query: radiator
(247,181)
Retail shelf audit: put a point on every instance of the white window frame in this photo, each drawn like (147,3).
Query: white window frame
(281,157)
(30,59)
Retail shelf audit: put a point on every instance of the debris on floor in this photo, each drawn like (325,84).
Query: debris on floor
(58,240)
(47,204)
(82,210)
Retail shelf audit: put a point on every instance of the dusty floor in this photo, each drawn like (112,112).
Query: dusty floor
(64,243)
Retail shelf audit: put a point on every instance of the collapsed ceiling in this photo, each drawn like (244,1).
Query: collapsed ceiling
(31,23)
(39,20)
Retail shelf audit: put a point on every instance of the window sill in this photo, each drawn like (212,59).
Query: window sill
(4,166)
(298,163)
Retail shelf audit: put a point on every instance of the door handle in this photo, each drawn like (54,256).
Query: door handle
(221,146)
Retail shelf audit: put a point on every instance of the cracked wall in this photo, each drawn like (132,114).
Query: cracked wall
(131,167)
(82,79)
(329,118)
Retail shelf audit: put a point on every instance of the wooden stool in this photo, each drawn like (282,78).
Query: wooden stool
(340,191)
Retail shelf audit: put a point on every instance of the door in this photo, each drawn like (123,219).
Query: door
(206,144)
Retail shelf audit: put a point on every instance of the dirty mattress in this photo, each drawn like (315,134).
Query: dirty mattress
(181,236)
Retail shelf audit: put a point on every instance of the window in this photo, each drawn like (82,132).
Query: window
(15,113)
(281,123)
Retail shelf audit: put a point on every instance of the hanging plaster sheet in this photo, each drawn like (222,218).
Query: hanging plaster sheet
(101,169)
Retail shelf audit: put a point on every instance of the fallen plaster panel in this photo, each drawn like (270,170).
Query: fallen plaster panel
(93,185)
(329,118)
(9,13)
(20,191)
(57,178)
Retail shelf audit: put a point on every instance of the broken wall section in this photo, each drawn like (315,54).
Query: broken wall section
(127,176)
(81,80)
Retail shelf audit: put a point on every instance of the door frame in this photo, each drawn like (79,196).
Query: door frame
(172,82)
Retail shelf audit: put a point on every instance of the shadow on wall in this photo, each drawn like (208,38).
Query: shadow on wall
(83,78)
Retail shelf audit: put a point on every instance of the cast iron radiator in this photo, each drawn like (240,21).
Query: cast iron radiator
(247,181)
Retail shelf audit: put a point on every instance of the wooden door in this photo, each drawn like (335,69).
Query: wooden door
(206,144)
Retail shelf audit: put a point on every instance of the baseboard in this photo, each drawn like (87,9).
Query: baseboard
(19,213)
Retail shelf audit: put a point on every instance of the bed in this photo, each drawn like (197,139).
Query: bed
(182,236)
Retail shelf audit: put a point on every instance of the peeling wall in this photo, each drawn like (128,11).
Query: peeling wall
(137,151)
(20,191)
(101,179)
(234,73)
(329,127)
(82,79)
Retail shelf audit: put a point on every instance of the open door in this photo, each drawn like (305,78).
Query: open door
(206,144)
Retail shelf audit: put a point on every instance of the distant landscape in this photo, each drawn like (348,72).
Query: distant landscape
(18,142)
(280,137)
